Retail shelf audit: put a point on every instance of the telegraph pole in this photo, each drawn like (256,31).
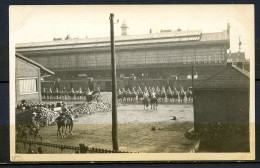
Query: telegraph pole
(192,75)
(114,85)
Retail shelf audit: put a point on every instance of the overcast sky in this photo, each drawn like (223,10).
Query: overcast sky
(42,23)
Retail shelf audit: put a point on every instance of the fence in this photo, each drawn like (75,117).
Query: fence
(33,147)
(23,146)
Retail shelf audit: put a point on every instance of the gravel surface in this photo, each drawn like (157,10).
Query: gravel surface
(135,114)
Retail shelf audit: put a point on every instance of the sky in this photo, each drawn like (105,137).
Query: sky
(43,23)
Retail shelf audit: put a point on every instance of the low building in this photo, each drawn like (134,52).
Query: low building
(221,110)
(28,76)
(236,57)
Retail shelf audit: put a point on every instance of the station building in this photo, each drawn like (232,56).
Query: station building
(154,59)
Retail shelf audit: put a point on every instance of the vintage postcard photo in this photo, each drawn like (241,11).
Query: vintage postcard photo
(132,83)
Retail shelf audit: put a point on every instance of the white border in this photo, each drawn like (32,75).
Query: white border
(129,156)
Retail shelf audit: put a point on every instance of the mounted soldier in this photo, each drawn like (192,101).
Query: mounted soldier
(182,95)
(34,125)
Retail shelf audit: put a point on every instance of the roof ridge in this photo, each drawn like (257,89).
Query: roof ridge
(244,72)
(211,76)
(33,62)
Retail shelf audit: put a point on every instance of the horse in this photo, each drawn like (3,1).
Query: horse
(146,102)
(26,131)
(163,95)
(175,96)
(182,96)
(120,96)
(64,122)
(133,96)
(154,103)
(189,96)
(140,95)
(170,96)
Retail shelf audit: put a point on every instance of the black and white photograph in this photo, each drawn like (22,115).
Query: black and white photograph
(132,83)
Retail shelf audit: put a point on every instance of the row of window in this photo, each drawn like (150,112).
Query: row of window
(133,57)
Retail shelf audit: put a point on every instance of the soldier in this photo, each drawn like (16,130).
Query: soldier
(34,124)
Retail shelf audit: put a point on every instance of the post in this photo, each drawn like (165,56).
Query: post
(114,86)
(192,76)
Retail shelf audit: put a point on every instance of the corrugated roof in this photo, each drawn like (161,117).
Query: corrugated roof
(214,36)
(176,38)
(227,78)
(117,39)
(34,63)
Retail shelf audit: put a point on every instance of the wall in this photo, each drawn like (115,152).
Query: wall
(23,70)
(230,108)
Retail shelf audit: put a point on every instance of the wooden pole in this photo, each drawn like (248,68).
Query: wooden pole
(114,86)
(192,76)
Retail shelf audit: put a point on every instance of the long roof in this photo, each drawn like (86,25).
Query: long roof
(34,63)
(178,37)
(229,77)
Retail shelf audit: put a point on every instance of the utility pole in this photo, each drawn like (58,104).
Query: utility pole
(192,75)
(114,86)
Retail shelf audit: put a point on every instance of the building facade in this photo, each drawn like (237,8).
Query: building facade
(155,56)
(28,75)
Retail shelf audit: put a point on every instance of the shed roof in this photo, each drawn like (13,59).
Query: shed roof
(229,77)
(45,70)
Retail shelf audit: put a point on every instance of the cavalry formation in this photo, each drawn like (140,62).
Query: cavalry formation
(66,95)
(124,96)
(161,95)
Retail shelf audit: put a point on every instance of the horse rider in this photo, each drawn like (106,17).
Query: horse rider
(169,90)
(153,93)
(145,89)
(34,124)
(146,94)
(89,92)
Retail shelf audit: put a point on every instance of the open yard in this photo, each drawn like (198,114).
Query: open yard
(134,129)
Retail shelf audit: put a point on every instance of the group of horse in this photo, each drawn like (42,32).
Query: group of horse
(65,125)
(64,94)
(162,95)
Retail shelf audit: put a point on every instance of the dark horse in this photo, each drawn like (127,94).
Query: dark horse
(154,103)
(24,132)
(64,122)
(145,102)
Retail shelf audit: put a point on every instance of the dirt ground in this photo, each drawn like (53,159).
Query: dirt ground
(134,129)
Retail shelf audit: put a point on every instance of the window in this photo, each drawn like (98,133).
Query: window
(28,85)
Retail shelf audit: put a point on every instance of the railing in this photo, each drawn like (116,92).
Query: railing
(33,147)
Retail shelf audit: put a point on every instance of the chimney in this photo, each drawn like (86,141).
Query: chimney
(228,28)
(124,27)
(151,31)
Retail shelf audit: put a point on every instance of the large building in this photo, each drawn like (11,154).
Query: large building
(162,59)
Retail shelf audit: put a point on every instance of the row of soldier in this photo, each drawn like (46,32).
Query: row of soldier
(134,95)
(163,95)
(63,94)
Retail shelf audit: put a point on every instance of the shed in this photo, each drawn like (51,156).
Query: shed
(221,105)
(28,75)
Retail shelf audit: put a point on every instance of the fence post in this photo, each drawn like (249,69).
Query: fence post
(82,148)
